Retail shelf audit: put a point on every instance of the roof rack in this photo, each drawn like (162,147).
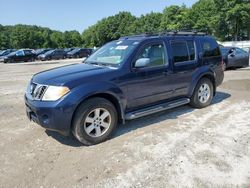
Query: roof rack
(183,32)
(168,33)
(139,35)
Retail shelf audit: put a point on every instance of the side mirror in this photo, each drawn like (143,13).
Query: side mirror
(142,62)
(231,55)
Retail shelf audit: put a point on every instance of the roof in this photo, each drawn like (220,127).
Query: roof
(164,34)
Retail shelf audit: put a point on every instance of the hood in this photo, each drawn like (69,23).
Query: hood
(70,73)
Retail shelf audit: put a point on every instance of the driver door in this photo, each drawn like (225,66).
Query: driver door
(148,84)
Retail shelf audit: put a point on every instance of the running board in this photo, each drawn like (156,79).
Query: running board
(156,108)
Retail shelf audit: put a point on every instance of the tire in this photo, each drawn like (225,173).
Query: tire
(92,131)
(203,94)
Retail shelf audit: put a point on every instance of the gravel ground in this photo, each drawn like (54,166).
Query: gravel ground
(183,147)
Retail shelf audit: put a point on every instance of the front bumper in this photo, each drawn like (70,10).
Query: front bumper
(55,116)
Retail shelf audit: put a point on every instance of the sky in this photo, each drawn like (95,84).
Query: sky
(75,14)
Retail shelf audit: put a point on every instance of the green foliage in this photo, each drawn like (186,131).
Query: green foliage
(225,19)
(26,36)
(174,18)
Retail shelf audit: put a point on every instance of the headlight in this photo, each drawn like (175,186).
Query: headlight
(54,93)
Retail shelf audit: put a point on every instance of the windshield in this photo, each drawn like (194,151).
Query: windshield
(49,52)
(75,50)
(113,53)
(2,52)
(12,53)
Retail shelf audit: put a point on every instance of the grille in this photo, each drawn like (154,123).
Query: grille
(37,91)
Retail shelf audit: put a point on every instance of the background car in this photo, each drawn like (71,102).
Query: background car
(52,54)
(66,50)
(20,56)
(4,53)
(79,53)
(42,51)
(234,57)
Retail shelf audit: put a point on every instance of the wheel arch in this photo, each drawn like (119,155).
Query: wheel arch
(108,96)
(209,76)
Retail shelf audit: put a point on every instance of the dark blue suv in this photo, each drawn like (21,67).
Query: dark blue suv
(126,79)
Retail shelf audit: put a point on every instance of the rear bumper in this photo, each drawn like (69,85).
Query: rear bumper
(55,116)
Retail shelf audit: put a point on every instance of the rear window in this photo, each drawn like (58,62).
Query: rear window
(183,51)
(210,48)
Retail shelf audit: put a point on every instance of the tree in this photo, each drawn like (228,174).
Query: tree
(174,18)
(147,23)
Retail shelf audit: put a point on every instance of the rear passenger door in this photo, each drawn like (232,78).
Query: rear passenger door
(184,62)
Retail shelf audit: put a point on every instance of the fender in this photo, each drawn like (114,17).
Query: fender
(198,74)
(87,90)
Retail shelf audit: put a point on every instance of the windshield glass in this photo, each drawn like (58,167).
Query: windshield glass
(113,53)
(49,52)
(75,50)
(2,52)
(12,53)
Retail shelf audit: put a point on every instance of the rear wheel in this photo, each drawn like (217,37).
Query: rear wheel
(203,94)
(94,121)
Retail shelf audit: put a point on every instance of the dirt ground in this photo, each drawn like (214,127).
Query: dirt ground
(183,147)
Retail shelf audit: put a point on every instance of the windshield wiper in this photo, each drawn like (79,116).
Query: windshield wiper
(102,64)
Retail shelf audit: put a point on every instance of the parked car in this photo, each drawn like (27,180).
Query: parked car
(125,79)
(79,53)
(52,54)
(66,50)
(4,53)
(234,57)
(24,55)
(42,51)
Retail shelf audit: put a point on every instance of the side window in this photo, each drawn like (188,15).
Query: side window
(191,50)
(210,48)
(28,52)
(20,53)
(156,54)
(180,51)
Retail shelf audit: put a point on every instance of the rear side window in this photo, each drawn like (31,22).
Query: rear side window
(183,51)
(210,48)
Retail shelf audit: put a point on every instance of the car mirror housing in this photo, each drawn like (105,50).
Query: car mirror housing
(142,62)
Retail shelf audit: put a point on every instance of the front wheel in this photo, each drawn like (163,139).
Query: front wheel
(203,94)
(94,121)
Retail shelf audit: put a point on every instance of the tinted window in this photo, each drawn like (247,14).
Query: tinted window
(210,48)
(180,51)
(20,53)
(28,52)
(191,50)
(155,53)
